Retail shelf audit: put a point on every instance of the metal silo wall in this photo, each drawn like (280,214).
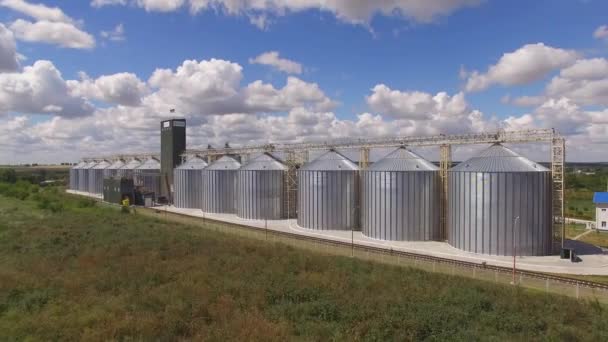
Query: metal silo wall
(400,205)
(149,179)
(96,181)
(124,173)
(83,180)
(73,179)
(218,191)
(482,207)
(187,186)
(110,173)
(259,194)
(179,189)
(328,199)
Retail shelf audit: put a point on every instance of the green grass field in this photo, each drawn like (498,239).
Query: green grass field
(71,270)
(579,204)
(597,238)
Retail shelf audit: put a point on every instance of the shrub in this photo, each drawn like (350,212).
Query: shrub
(8,176)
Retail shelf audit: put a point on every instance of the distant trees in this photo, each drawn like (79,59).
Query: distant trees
(594,182)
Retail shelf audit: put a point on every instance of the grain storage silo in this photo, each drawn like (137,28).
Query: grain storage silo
(74,172)
(147,176)
(83,176)
(400,198)
(96,177)
(260,189)
(187,183)
(499,201)
(219,182)
(127,170)
(328,194)
(112,170)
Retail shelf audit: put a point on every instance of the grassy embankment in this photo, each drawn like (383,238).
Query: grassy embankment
(72,270)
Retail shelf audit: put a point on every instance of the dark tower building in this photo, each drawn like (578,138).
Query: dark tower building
(172,145)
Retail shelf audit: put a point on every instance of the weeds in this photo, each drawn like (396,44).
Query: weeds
(92,273)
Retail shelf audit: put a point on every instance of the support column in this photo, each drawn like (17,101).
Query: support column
(363,158)
(445,163)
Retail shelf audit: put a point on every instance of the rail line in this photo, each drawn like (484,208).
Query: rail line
(409,255)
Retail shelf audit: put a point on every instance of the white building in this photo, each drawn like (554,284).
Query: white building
(601,210)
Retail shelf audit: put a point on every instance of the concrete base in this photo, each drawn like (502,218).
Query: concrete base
(87,194)
(593,260)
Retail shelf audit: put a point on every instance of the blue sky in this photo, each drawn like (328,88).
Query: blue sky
(345,50)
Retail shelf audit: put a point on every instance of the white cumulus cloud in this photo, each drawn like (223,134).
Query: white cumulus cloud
(122,88)
(527,64)
(101,3)
(414,105)
(37,11)
(601,32)
(9,60)
(40,89)
(58,33)
(160,5)
(116,35)
(52,26)
(272,58)
(260,13)
(213,87)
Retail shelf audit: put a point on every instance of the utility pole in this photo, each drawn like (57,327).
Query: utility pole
(513,248)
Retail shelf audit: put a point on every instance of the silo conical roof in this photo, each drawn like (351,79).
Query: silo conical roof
(331,161)
(264,162)
(101,165)
(80,165)
(194,163)
(224,163)
(149,164)
(116,165)
(403,159)
(90,165)
(498,158)
(132,164)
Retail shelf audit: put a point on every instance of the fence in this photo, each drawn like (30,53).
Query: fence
(580,289)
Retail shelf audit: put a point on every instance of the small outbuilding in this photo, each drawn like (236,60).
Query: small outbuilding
(600,199)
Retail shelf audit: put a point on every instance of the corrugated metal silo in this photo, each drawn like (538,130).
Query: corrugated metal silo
(127,170)
(187,183)
(260,189)
(486,195)
(328,193)
(112,170)
(219,182)
(400,198)
(83,176)
(74,172)
(96,177)
(147,176)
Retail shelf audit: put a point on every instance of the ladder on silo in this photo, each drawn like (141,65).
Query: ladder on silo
(445,163)
(558,158)
(292,160)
